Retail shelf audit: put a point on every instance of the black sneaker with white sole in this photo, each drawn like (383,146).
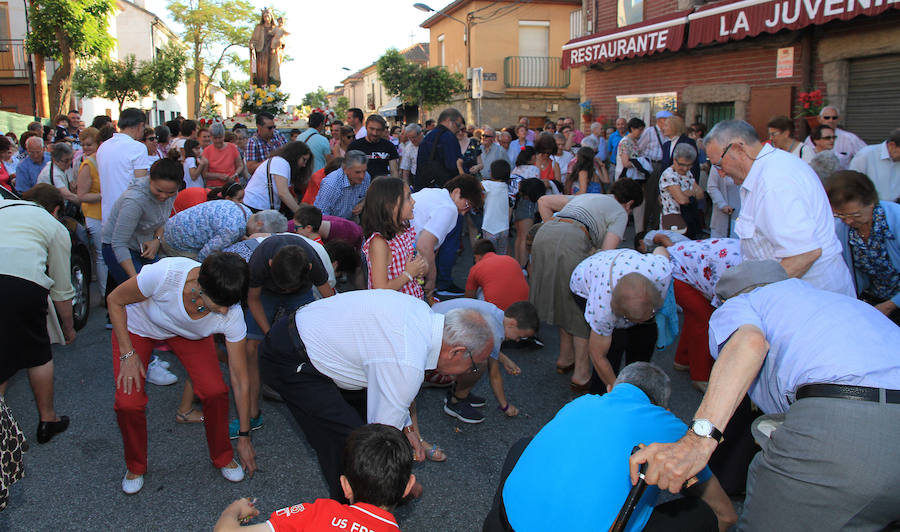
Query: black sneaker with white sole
(474,400)
(463,411)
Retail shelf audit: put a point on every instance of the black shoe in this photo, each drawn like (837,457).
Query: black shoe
(47,429)
(472,399)
(463,411)
(451,290)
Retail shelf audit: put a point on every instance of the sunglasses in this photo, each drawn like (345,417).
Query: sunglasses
(487,136)
(831,137)
(829,118)
(149,138)
(269,127)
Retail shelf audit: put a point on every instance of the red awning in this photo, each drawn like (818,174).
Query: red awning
(650,37)
(737,19)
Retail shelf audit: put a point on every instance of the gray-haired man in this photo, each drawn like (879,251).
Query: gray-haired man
(410,152)
(338,370)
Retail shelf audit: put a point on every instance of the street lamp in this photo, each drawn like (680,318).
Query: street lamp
(422,7)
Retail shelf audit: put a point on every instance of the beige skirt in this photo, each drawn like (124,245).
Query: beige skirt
(558,248)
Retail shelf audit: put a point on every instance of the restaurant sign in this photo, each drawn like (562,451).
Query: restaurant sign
(648,38)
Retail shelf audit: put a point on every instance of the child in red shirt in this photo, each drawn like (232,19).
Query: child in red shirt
(499,276)
(377,475)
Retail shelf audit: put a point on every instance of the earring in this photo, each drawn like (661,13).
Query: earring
(201,307)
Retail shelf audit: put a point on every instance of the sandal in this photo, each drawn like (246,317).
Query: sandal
(433,452)
(185,417)
(562,370)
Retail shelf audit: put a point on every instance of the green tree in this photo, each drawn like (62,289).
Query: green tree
(340,109)
(427,87)
(233,86)
(213,30)
(68,30)
(130,80)
(317,98)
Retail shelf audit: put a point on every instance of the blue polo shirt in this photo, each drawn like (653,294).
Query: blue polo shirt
(574,474)
(612,145)
(27,172)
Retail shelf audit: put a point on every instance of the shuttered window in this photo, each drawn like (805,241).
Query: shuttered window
(873,97)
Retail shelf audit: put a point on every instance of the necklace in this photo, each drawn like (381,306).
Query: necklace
(195,294)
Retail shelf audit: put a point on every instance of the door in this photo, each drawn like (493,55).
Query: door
(873,97)
(533,64)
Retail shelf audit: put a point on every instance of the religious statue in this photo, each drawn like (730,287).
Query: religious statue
(266,47)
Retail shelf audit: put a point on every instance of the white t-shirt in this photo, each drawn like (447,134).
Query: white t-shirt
(162,315)
(496,207)
(256,194)
(117,160)
(179,143)
(434,212)
(191,162)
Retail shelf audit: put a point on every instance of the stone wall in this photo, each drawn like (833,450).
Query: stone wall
(500,111)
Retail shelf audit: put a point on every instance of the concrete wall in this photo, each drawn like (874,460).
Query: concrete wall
(501,111)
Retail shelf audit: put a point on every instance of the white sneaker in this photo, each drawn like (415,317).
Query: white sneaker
(233,474)
(133,485)
(160,376)
(161,362)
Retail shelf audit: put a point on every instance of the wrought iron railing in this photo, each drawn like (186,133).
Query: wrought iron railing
(520,72)
(13,59)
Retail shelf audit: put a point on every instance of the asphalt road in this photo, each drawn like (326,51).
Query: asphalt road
(73,482)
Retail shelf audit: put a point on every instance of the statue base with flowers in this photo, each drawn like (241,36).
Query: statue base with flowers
(264,99)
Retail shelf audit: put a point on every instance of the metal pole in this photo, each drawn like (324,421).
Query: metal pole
(30,65)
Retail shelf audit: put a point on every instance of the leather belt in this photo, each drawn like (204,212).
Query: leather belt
(577,224)
(855,393)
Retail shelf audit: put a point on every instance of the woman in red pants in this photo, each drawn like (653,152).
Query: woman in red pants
(696,268)
(184,303)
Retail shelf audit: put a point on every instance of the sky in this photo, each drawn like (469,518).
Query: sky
(326,35)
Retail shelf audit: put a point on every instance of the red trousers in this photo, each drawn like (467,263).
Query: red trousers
(199,359)
(693,345)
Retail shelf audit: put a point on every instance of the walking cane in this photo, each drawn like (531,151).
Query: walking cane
(633,497)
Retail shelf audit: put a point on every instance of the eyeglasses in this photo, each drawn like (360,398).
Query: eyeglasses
(150,139)
(858,215)
(472,361)
(652,315)
(829,118)
(269,127)
(718,165)
(831,137)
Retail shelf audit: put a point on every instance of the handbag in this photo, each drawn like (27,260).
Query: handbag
(269,185)
(673,222)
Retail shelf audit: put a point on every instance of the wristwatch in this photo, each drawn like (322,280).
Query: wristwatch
(705,429)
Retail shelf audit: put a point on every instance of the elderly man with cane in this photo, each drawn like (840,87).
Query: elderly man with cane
(829,364)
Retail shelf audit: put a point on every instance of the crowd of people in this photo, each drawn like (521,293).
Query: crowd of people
(245,246)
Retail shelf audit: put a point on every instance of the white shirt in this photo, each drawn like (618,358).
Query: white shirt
(162,315)
(384,344)
(434,212)
(814,336)
(60,178)
(846,145)
(256,194)
(563,161)
(409,154)
(189,182)
(117,160)
(724,193)
(876,162)
(361,132)
(650,143)
(496,207)
(785,212)
(596,277)
(700,263)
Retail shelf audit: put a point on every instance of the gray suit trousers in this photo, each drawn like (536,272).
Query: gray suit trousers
(833,465)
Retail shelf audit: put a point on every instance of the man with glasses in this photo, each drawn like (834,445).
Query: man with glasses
(846,144)
(410,152)
(621,290)
(381,152)
(337,370)
(785,214)
(59,172)
(490,151)
(266,140)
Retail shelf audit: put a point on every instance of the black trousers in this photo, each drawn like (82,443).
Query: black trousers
(636,344)
(687,513)
(325,413)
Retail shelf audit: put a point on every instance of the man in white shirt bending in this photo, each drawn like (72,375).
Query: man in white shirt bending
(785,214)
(338,370)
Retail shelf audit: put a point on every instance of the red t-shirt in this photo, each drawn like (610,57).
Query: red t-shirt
(312,189)
(501,279)
(187,198)
(221,162)
(326,514)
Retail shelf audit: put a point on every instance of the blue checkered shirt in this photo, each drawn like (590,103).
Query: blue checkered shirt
(259,150)
(337,196)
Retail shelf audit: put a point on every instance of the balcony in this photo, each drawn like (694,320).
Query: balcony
(13,59)
(521,72)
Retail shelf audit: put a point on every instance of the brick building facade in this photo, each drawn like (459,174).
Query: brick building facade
(713,61)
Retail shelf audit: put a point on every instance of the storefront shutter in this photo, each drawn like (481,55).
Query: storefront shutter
(873,97)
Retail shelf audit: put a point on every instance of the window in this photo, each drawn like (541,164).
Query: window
(713,113)
(576,24)
(441,50)
(644,106)
(629,12)
(162,116)
(4,31)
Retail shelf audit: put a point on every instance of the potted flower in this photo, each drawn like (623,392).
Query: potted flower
(809,105)
(586,111)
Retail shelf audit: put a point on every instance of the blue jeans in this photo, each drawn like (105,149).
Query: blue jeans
(116,271)
(446,256)
(272,303)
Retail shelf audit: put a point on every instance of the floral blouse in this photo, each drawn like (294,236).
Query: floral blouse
(628,149)
(872,258)
(668,178)
(700,263)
